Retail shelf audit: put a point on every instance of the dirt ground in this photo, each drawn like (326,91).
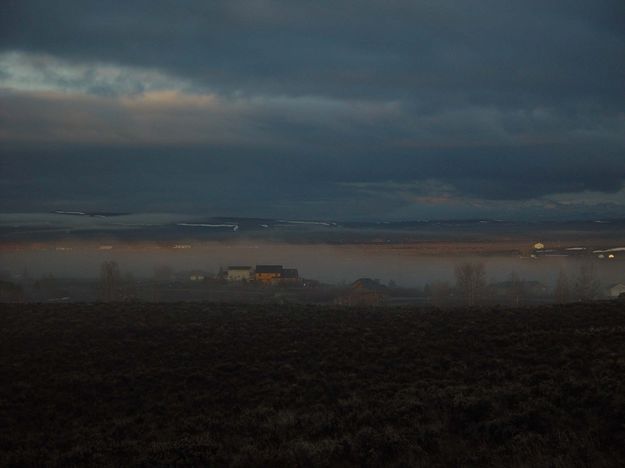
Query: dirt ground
(238,385)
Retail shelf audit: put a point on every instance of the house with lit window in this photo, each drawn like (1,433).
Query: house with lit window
(268,273)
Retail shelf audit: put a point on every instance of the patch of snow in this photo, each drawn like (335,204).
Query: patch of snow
(233,226)
(75,213)
(319,223)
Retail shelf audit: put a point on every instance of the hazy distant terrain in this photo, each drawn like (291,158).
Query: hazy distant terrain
(167,227)
(213,384)
(410,253)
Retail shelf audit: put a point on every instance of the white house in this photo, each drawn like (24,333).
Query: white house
(616,290)
(240,273)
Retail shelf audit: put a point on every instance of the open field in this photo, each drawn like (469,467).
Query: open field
(451,244)
(214,384)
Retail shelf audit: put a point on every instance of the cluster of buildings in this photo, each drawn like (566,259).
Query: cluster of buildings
(264,274)
(540,250)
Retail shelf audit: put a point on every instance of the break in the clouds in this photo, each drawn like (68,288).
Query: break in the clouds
(317,109)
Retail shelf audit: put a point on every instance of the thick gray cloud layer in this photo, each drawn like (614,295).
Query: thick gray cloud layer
(336,109)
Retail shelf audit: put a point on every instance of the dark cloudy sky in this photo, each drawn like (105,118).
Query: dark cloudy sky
(314,109)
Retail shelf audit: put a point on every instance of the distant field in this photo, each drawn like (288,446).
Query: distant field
(447,244)
(218,385)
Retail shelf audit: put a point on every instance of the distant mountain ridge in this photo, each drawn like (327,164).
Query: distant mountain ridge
(164,226)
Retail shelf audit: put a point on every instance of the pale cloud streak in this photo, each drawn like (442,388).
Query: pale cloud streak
(106,103)
(439,194)
(33,72)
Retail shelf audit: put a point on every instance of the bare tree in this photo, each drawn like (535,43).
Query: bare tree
(516,291)
(130,287)
(587,285)
(110,279)
(562,291)
(471,282)
(11,292)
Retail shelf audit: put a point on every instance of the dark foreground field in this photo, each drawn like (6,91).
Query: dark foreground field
(216,385)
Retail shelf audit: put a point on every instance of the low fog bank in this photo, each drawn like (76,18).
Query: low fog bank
(324,263)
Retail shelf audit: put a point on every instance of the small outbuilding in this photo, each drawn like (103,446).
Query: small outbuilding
(364,292)
(368,284)
(289,276)
(615,290)
(195,276)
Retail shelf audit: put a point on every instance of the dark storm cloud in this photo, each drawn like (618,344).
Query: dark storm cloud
(320,107)
(244,181)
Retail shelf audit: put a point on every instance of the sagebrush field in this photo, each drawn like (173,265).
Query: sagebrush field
(218,385)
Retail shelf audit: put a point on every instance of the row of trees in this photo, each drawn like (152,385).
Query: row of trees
(586,286)
(471,286)
(112,286)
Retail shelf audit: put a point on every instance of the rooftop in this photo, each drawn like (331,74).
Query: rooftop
(268,268)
